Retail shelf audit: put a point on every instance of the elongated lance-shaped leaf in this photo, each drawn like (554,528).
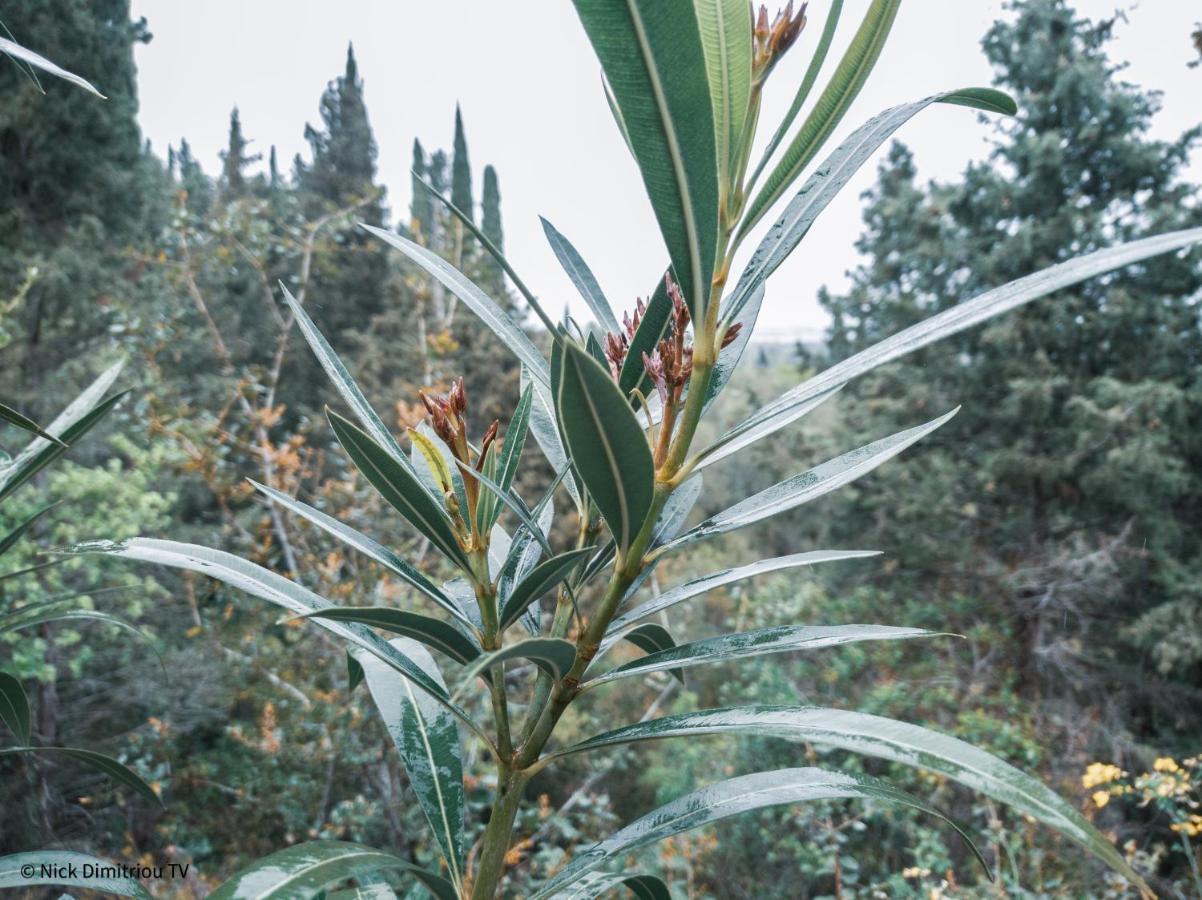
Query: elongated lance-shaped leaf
(853,70)
(546,432)
(304,869)
(973,312)
(341,378)
(515,440)
(731,797)
(427,738)
(27,56)
(427,451)
(22,421)
(748,431)
(98,761)
(597,884)
(811,484)
(400,487)
(364,892)
(68,426)
(581,275)
(493,250)
(553,655)
(545,577)
(485,308)
(65,868)
(653,638)
(370,548)
(833,174)
(728,357)
(803,90)
(741,645)
(606,443)
(14,707)
(267,585)
(715,580)
(901,742)
(725,28)
(7,542)
(487,505)
(513,502)
(432,632)
(654,63)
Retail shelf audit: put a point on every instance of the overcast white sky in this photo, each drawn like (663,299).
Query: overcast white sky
(530,91)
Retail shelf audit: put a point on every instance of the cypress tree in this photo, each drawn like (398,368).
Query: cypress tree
(421,205)
(234,159)
(490,224)
(461,170)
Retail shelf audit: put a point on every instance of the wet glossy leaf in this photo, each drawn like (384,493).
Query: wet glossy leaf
(97,761)
(546,431)
(582,277)
(14,707)
(431,632)
(22,421)
(545,577)
(29,57)
(889,739)
(751,430)
(969,313)
(729,798)
(654,63)
(833,174)
(400,487)
(729,357)
(725,28)
(606,443)
(427,738)
(304,869)
(553,655)
(354,673)
(368,547)
(63,862)
(515,440)
(595,884)
(715,580)
(652,639)
(745,644)
(809,485)
(485,308)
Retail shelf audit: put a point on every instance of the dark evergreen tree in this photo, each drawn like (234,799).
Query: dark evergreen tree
(235,159)
(490,225)
(461,170)
(421,204)
(1067,495)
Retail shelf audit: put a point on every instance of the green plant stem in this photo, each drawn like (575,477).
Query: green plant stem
(486,599)
(495,842)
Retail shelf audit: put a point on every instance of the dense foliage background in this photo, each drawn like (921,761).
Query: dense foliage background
(1055,524)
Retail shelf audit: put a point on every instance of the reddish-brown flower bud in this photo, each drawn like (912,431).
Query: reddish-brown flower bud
(489,437)
(731,334)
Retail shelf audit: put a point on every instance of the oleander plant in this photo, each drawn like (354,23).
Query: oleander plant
(523,629)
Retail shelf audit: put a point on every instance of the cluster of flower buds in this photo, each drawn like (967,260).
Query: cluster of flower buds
(769,42)
(449,423)
(617,346)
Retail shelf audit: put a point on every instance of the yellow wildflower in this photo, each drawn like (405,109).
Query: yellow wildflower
(1100,773)
(1101,798)
(1166,764)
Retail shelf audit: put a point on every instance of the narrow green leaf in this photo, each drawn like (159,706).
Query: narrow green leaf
(750,430)
(728,357)
(304,869)
(58,866)
(654,63)
(715,580)
(14,707)
(368,547)
(546,431)
(71,424)
(725,29)
(7,542)
(431,632)
(497,320)
(595,884)
(581,276)
(606,443)
(745,644)
(965,315)
(490,248)
(853,70)
(652,639)
(27,56)
(267,585)
(100,763)
(832,176)
(803,90)
(400,487)
(809,485)
(515,440)
(553,655)
(652,327)
(545,577)
(354,673)
(22,421)
(899,742)
(341,378)
(512,501)
(427,738)
(364,892)
(729,798)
